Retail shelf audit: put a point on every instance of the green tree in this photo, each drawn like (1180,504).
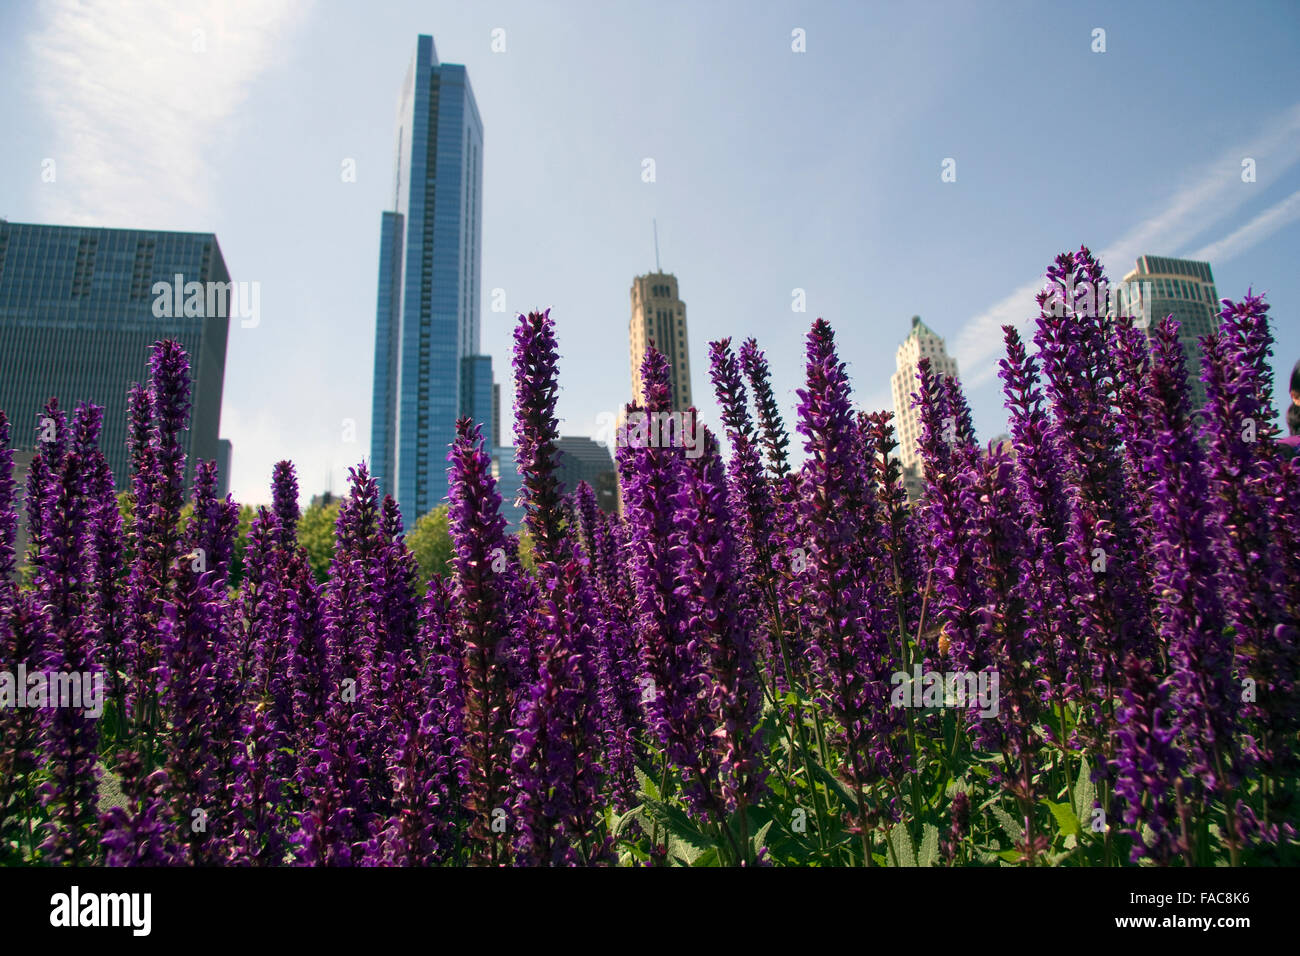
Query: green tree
(430,542)
(236,576)
(526,558)
(316,534)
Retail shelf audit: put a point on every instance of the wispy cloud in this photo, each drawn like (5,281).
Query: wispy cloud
(1214,193)
(1252,233)
(139,95)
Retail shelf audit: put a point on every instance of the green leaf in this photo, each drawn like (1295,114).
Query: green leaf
(1066,822)
(1008,823)
(929,852)
(1085,794)
(679,826)
(835,784)
(760,838)
(901,841)
(708,858)
(623,820)
(647,785)
(685,850)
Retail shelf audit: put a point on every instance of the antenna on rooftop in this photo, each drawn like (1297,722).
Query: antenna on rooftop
(656,225)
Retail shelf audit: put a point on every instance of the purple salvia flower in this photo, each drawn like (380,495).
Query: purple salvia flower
(1131,352)
(42,476)
(720,621)
(903,565)
(444,723)
(258,594)
(1008,624)
(284,496)
(308,654)
(1186,582)
(536,430)
(335,828)
(211,537)
(751,496)
(143,833)
(70,735)
(105,563)
(171,413)
(556,758)
(1104,547)
(1242,465)
(8,519)
(482,597)
(959,813)
(257,789)
(774,436)
(1148,759)
(615,651)
(157,507)
(948,540)
(187,681)
(24,631)
(582,504)
(1040,488)
(651,476)
(848,663)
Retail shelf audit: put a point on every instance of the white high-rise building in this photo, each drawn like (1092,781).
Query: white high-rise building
(921,342)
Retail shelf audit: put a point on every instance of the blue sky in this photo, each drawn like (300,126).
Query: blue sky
(775,170)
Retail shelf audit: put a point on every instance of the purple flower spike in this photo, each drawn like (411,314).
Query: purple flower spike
(482,597)
(536,429)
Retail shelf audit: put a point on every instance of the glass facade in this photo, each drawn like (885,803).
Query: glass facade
(510,485)
(476,394)
(78,321)
(427,317)
(585,459)
(1183,288)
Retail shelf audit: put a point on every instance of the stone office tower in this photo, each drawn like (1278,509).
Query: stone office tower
(428,370)
(921,342)
(659,315)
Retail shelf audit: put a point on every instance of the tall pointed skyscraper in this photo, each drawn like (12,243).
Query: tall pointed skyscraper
(427,368)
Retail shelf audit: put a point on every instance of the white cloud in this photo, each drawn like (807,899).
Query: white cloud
(1215,193)
(139,96)
(1253,232)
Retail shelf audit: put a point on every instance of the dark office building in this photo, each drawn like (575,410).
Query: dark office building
(585,459)
(80,309)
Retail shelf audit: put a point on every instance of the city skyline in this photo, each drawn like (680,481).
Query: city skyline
(822,171)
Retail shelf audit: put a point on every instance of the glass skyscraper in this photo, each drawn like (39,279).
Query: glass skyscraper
(78,318)
(428,371)
(1183,288)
